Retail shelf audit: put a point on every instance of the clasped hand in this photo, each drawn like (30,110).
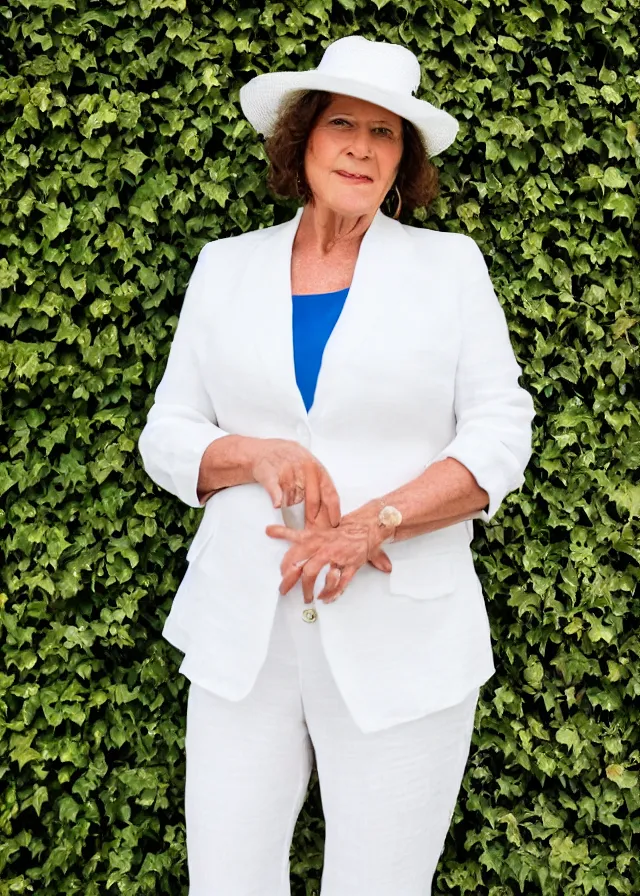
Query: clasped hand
(345,548)
(291,474)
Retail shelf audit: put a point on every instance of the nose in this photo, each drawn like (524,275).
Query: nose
(360,142)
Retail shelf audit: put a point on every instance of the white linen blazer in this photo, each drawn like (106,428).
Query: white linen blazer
(419,367)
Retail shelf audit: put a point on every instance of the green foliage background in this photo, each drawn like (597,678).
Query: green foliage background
(123,151)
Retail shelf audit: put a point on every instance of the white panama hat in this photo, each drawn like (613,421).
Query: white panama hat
(377,71)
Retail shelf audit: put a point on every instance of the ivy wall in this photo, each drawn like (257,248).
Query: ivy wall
(122,151)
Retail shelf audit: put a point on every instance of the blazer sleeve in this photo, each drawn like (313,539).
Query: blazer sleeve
(493,412)
(182,420)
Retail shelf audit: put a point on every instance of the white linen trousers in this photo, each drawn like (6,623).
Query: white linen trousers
(387,796)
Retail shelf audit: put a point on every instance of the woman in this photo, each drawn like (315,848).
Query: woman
(339,493)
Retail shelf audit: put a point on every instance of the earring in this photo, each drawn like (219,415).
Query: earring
(299,185)
(397,211)
(396,214)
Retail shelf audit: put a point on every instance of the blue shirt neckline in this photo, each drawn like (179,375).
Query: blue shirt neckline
(308,295)
(314,315)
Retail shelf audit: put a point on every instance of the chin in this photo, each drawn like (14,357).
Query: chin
(352,205)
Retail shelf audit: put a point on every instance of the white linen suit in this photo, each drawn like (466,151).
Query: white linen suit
(418,368)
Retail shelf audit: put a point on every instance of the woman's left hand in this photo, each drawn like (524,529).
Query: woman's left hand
(347,547)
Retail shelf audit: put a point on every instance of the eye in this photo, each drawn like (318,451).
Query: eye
(386,132)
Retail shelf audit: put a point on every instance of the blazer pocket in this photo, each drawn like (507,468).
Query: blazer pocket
(425,577)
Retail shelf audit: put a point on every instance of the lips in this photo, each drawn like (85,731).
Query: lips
(358,178)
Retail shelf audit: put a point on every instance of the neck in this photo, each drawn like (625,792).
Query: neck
(322,229)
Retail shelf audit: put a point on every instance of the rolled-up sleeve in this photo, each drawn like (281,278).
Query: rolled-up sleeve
(493,412)
(182,422)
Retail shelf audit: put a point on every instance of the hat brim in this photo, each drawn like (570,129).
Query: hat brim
(262,97)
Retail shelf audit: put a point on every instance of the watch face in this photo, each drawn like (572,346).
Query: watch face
(389,516)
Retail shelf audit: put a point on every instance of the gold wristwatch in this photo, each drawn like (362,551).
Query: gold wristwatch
(389,517)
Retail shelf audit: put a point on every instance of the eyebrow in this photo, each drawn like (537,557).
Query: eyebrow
(372,120)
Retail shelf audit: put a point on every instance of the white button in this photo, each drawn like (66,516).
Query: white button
(309,615)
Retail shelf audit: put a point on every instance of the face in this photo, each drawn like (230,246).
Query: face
(355,137)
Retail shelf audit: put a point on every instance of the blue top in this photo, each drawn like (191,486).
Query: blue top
(314,317)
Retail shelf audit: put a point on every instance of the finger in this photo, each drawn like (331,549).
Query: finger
(298,494)
(330,498)
(322,521)
(291,567)
(289,494)
(295,488)
(275,531)
(290,579)
(287,483)
(332,583)
(294,559)
(310,572)
(308,586)
(381,561)
(312,497)
(347,574)
(272,486)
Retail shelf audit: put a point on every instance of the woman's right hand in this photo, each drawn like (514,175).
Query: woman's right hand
(291,474)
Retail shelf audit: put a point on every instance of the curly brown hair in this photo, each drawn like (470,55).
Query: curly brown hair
(417,177)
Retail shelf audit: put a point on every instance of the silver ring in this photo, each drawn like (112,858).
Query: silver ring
(301,562)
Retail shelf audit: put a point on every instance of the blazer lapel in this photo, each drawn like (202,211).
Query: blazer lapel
(263,312)
(368,307)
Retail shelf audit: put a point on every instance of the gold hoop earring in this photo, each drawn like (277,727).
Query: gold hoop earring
(396,214)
